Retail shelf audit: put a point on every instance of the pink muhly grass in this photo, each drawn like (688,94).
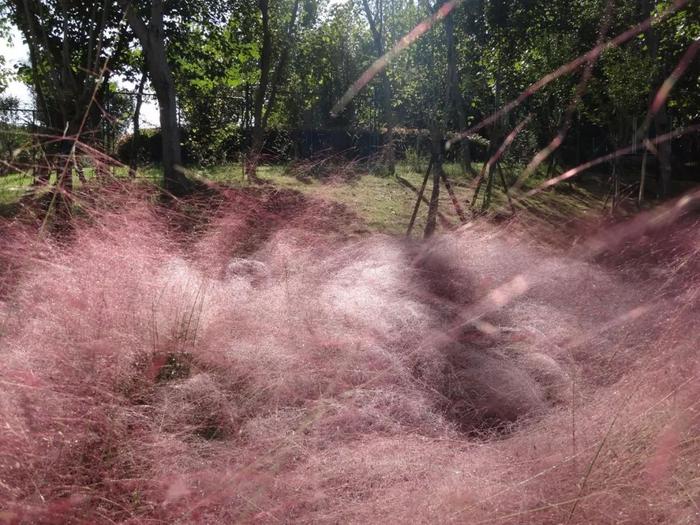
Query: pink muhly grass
(156,374)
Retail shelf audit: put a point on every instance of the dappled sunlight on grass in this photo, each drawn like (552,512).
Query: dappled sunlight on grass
(383,203)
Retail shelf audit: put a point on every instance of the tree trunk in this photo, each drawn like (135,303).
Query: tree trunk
(136,135)
(454,100)
(376,21)
(252,158)
(486,174)
(152,39)
(661,117)
(265,65)
(264,102)
(388,153)
(173,173)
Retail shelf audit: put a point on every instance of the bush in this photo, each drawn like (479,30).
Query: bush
(147,146)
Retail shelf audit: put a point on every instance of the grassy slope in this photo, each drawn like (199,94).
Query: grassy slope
(382,203)
(385,205)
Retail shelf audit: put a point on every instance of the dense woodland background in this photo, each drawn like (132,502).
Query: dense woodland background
(259,81)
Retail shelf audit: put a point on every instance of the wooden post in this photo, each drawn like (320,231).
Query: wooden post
(455,202)
(505,188)
(420,197)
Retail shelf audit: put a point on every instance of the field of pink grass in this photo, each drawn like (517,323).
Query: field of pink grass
(155,375)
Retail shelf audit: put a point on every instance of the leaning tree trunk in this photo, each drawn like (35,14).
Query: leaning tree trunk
(268,87)
(152,39)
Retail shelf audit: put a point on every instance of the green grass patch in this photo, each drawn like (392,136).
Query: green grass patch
(384,203)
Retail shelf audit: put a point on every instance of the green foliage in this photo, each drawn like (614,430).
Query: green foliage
(213,62)
(5,73)
(147,147)
(325,62)
(69,43)
(500,48)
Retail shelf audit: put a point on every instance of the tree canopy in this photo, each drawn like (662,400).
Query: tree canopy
(228,73)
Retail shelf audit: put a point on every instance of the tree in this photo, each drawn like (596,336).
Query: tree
(69,45)
(150,32)
(326,61)
(376,22)
(214,62)
(283,18)
(440,56)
